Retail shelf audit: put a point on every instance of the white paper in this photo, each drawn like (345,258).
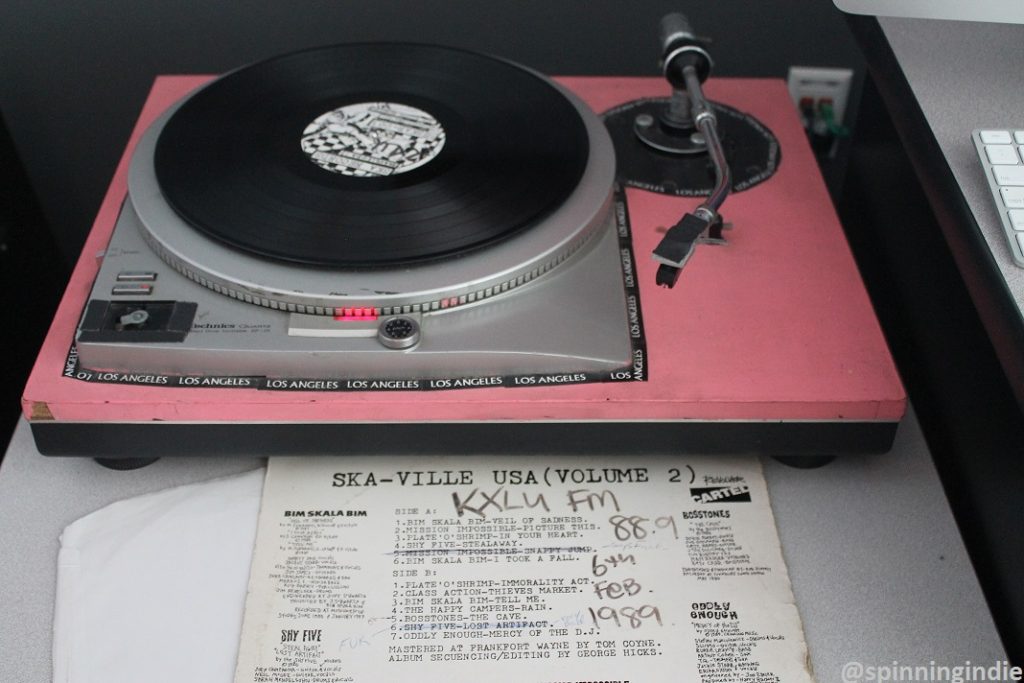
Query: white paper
(519,570)
(144,580)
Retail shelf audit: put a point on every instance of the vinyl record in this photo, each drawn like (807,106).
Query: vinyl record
(371,154)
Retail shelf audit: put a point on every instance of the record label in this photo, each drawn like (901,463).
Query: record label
(372,139)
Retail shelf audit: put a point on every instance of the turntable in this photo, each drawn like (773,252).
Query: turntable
(411,213)
(408,248)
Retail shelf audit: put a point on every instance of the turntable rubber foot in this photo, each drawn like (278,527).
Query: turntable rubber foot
(125,464)
(804,462)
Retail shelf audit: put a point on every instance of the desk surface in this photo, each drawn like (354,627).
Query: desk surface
(878,568)
(977,86)
(940,80)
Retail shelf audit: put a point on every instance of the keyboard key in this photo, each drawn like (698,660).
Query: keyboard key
(1002,154)
(996,137)
(1009,175)
(1013,197)
(1017,219)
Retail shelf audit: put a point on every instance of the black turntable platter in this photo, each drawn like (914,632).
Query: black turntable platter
(371,154)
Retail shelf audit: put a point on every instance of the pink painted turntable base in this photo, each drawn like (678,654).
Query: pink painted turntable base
(776,326)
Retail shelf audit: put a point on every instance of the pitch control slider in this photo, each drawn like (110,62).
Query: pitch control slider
(393,332)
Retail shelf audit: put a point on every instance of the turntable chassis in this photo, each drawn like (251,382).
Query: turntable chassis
(559,323)
(766,345)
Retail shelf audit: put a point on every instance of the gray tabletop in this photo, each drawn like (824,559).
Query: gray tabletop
(967,75)
(878,568)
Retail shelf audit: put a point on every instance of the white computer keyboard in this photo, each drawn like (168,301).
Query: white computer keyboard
(1001,151)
